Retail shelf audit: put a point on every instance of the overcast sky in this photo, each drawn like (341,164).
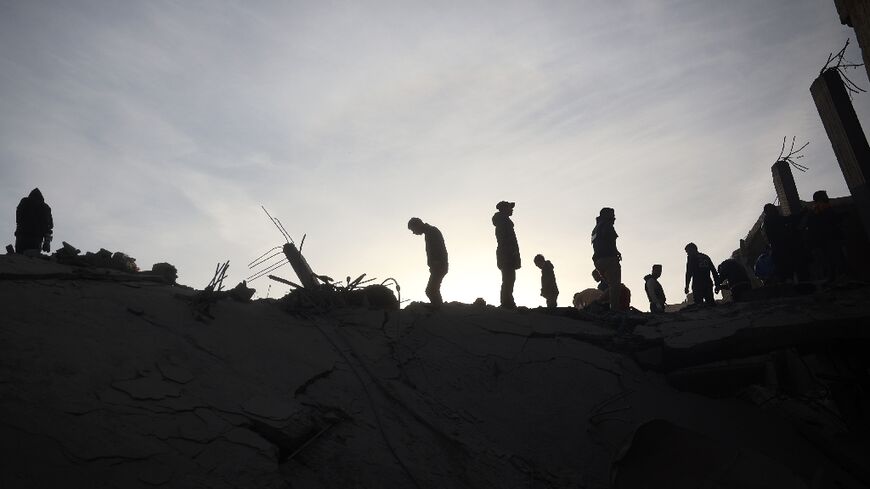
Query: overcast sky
(158,128)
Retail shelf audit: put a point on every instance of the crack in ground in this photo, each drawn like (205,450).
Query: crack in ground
(322,375)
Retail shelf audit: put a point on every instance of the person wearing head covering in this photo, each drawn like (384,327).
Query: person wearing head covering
(436,257)
(34,224)
(507,252)
(654,291)
(549,289)
(699,267)
(606,257)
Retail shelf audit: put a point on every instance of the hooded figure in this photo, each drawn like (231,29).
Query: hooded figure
(34,223)
(507,252)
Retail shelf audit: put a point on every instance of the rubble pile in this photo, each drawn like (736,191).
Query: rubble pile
(116,384)
(70,255)
(327,297)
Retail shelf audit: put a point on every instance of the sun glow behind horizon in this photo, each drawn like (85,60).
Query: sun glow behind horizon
(159,128)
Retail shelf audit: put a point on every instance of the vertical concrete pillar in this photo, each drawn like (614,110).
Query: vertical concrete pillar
(856,14)
(847,138)
(786,190)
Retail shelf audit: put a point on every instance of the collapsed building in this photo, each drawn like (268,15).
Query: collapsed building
(830,92)
(111,377)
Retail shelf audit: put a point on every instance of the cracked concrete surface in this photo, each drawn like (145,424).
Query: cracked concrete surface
(92,395)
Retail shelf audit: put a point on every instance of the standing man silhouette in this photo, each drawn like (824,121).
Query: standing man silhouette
(699,268)
(34,224)
(654,291)
(507,252)
(606,256)
(436,258)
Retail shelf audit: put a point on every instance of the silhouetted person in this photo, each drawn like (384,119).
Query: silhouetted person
(825,237)
(436,257)
(624,297)
(549,289)
(606,257)
(654,291)
(785,243)
(733,276)
(699,267)
(34,224)
(602,284)
(763,267)
(507,252)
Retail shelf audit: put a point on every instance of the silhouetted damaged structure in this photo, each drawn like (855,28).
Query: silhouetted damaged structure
(786,190)
(856,14)
(319,292)
(847,138)
(847,213)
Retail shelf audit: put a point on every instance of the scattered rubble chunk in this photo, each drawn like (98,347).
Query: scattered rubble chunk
(165,270)
(242,292)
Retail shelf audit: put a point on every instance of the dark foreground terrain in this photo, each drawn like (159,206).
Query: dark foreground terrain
(108,380)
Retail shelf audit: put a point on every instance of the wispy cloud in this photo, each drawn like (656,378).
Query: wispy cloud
(159,128)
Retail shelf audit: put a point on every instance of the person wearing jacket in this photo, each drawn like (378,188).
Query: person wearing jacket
(436,257)
(507,252)
(34,224)
(654,291)
(606,257)
(699,267)
(549,289)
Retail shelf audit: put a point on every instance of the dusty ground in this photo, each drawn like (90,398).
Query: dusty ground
(109,381)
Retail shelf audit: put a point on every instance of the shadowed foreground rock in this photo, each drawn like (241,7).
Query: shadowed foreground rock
(118,384)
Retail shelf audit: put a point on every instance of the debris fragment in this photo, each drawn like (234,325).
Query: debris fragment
(165,270)
(242,292)
(320,292)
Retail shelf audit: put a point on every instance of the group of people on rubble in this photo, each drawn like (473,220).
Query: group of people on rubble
(784,260)
(606,259)
(793,241)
